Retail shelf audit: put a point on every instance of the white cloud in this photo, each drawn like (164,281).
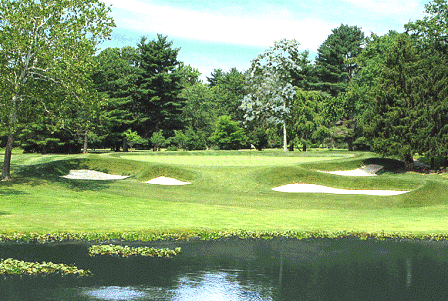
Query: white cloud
(219,27)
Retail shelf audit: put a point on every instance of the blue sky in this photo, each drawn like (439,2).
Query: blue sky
(228,33)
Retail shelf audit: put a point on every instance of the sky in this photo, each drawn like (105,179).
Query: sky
(222,34)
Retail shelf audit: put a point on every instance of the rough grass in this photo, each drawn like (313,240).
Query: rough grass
(221,197)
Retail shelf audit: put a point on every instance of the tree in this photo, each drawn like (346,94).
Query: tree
(159,87)
(228,135)
(393,119)
(47,41)
(269,83)
(335,63)
(188,75)
(158,140)
(116,76)
(214,77)
(307,121)
(228,92)
(201,110)
(433,29)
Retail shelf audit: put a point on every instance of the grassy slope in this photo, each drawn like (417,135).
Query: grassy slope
(221,197)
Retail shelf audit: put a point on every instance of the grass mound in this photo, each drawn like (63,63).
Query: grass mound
(221,198)
(389,165)
(134,169)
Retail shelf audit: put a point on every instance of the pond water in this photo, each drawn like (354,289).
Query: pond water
(236,269)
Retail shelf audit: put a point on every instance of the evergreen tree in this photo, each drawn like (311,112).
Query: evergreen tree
(335,63)
(394,119)
(159,86)
(214,77)
(116,76)
(229,90)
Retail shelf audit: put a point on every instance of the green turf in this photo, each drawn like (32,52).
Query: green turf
(234,194)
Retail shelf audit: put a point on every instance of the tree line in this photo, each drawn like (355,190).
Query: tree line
(59,94)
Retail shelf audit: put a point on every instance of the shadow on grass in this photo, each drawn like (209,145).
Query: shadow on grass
(52,172)
(7,192)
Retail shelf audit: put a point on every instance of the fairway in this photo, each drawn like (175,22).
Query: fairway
(229,191)
(232,160)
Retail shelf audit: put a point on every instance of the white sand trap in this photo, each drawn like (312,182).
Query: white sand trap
(312,188)
(352,173)
(166,181)
(84,174)
(366,171)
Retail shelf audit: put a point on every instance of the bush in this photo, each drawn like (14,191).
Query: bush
(259,139)
(158,140)
(228,135)
(195,140)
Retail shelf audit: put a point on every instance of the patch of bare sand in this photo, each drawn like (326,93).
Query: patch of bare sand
(85,174)
(365,171)
(312,188)
(166,181)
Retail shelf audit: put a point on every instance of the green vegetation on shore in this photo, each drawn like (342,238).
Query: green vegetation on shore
(17,267)
(126,251)
(222,200)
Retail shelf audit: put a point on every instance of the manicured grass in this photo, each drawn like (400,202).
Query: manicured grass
(222,196)
(225,159)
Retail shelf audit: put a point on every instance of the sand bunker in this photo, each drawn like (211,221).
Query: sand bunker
(84,174)
(312,188)
(166,181)
(352,173)
(365,171)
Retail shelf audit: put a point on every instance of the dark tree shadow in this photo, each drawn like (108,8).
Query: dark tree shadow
(389,165)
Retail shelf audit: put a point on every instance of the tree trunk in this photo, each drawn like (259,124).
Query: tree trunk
(285,141)
(350,144)
(125,145)
(304,147)
(409,162)
(84,151)
(6,174)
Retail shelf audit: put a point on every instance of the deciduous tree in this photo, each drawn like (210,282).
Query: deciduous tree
(44,41)
(270,83)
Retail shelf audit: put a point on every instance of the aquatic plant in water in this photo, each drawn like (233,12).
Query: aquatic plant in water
(128,251)
(17,267)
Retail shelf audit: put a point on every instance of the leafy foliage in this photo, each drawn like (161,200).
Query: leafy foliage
(269,83)
(158,140)
(50,42)
(126,251)
(228,135)
(12,267)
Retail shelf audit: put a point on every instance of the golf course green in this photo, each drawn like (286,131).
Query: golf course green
(229,191)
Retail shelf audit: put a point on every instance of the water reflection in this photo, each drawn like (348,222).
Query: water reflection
(114,293)
(235,269)
(216,286)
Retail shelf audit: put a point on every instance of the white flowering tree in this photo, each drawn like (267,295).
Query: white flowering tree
(270,84)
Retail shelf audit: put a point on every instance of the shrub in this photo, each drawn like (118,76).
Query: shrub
(259,139)
(228,135)
(158,140)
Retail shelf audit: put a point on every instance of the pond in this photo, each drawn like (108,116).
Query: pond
(237,269)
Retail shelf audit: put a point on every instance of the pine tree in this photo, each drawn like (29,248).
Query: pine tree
(335,64)
(159,86)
